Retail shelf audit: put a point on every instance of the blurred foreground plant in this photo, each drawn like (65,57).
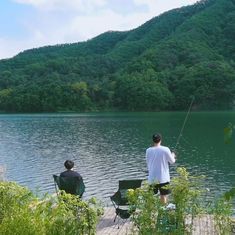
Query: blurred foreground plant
(222,210)
(150,217)
(22,213)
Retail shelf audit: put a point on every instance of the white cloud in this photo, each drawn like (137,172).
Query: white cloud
(55,5)
(160,6)
(86,6)
(80,20)
(31,2)
(88,27)
(9,47)
(6,48)
(85,27)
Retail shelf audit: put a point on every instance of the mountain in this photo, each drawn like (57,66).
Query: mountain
(160,65)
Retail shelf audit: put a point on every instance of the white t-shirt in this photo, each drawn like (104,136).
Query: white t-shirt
(158,159)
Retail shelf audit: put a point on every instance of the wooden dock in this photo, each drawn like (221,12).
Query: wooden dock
(107,226)
(203,225)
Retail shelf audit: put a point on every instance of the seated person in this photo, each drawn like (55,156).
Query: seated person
(70,172)
(70,181)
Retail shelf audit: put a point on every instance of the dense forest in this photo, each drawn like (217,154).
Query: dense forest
(157,66)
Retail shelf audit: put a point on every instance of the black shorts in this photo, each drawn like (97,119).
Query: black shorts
(162,188)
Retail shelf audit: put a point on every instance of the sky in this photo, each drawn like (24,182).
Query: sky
(26,24)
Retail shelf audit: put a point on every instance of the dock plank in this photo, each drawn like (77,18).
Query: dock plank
(107,226)
(203,225)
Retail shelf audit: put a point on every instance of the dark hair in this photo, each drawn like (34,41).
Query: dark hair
(68,164)
(157,138)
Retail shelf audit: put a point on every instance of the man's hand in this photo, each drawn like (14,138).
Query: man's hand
(173,154)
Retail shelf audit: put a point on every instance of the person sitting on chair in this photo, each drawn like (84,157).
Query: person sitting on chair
(70,181)
(70,172)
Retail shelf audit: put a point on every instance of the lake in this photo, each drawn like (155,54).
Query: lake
(107,147)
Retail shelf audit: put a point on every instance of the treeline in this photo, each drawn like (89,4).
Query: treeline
(158,66)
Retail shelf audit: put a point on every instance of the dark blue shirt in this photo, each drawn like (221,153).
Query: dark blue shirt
(70,173)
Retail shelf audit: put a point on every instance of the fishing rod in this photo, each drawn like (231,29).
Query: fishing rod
(185,120)
(182,128)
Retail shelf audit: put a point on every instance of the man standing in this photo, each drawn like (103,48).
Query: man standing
(158,158)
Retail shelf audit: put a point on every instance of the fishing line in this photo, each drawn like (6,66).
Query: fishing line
(182,128)
(185,120)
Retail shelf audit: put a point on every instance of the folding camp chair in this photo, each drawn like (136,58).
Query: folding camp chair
(120,197)
(72,185)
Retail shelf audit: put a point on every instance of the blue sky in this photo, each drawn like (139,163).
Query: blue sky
(28,24)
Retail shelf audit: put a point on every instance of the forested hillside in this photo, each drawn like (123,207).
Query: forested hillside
(157,66)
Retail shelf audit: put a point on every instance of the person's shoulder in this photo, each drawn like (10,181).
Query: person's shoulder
(70,174)
(165,148)
(77,174)
(63,174)
(149,149)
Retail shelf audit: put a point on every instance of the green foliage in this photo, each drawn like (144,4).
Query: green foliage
(146,207)
(186,195)
(142,91)
(222,210)
(228,133)
(151,217)
(12,196)
(22,213)
(188,51)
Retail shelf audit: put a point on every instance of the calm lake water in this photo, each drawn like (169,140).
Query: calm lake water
(108,147)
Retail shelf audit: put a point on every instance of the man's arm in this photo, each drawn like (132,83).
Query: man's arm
(171,156)
(147,159)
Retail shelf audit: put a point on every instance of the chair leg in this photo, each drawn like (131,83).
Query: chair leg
(118,222)
(115,218)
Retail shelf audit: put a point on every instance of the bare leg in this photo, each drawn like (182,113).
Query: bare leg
(163,199)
